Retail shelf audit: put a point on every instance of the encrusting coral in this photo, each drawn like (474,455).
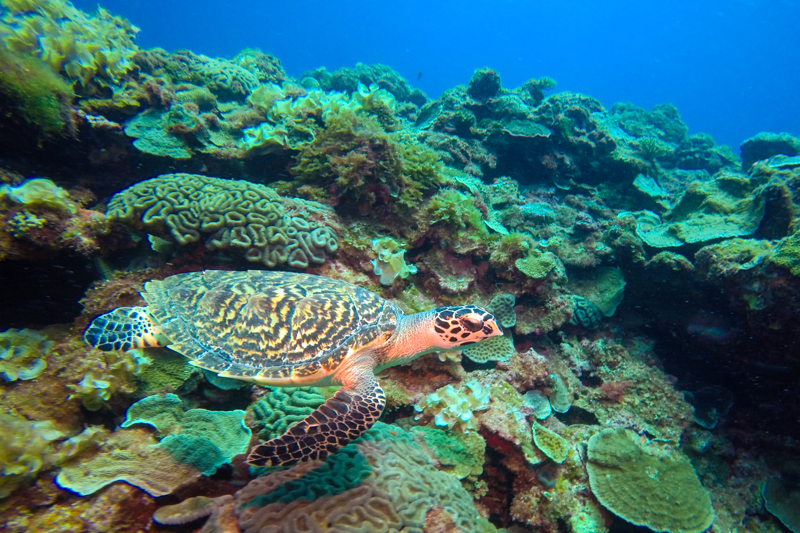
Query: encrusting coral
(660,491)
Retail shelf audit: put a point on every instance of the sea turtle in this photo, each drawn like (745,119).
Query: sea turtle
(284,329)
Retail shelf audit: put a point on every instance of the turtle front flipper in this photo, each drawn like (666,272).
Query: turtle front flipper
(123,329)
(344,417)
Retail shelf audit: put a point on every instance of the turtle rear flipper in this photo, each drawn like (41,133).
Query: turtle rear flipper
(344,417)
(123,329)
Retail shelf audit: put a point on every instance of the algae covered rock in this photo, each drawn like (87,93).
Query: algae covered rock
(661,492)
(782,499)
(730,205)
(550,443)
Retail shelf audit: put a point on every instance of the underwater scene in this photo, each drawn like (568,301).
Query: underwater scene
(236,300)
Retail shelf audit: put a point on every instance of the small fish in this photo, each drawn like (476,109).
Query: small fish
(419,75)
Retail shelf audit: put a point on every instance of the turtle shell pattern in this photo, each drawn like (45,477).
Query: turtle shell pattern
(274,328)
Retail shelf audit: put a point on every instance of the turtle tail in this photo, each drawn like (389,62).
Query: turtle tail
(123,329)
(344,417)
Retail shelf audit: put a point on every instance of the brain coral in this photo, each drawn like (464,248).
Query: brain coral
(659,492)
(232,214)
(382,483)
(280,408)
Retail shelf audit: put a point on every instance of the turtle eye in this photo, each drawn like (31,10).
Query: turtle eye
(471,324)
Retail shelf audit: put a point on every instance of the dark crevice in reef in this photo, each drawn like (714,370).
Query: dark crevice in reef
(36,293)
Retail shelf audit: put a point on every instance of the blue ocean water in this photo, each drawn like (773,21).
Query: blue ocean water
(730,66)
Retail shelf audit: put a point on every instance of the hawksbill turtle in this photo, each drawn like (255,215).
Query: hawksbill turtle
(285,329)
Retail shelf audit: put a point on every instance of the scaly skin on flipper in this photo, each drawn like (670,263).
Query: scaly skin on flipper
(344,417)
(123,329)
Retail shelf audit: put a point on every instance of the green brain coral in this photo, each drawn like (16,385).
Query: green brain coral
(230,214)
(661,492)
(280,408)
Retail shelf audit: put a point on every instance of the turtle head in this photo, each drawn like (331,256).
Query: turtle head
(460,325)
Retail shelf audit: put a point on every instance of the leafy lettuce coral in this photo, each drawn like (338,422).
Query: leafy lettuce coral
(38,194)
(116,374)
(390,262)
(22,354)
(82,47)
(193,442)
(450,406)
(30,447)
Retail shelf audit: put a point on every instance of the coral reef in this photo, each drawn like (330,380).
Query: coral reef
(545,208)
